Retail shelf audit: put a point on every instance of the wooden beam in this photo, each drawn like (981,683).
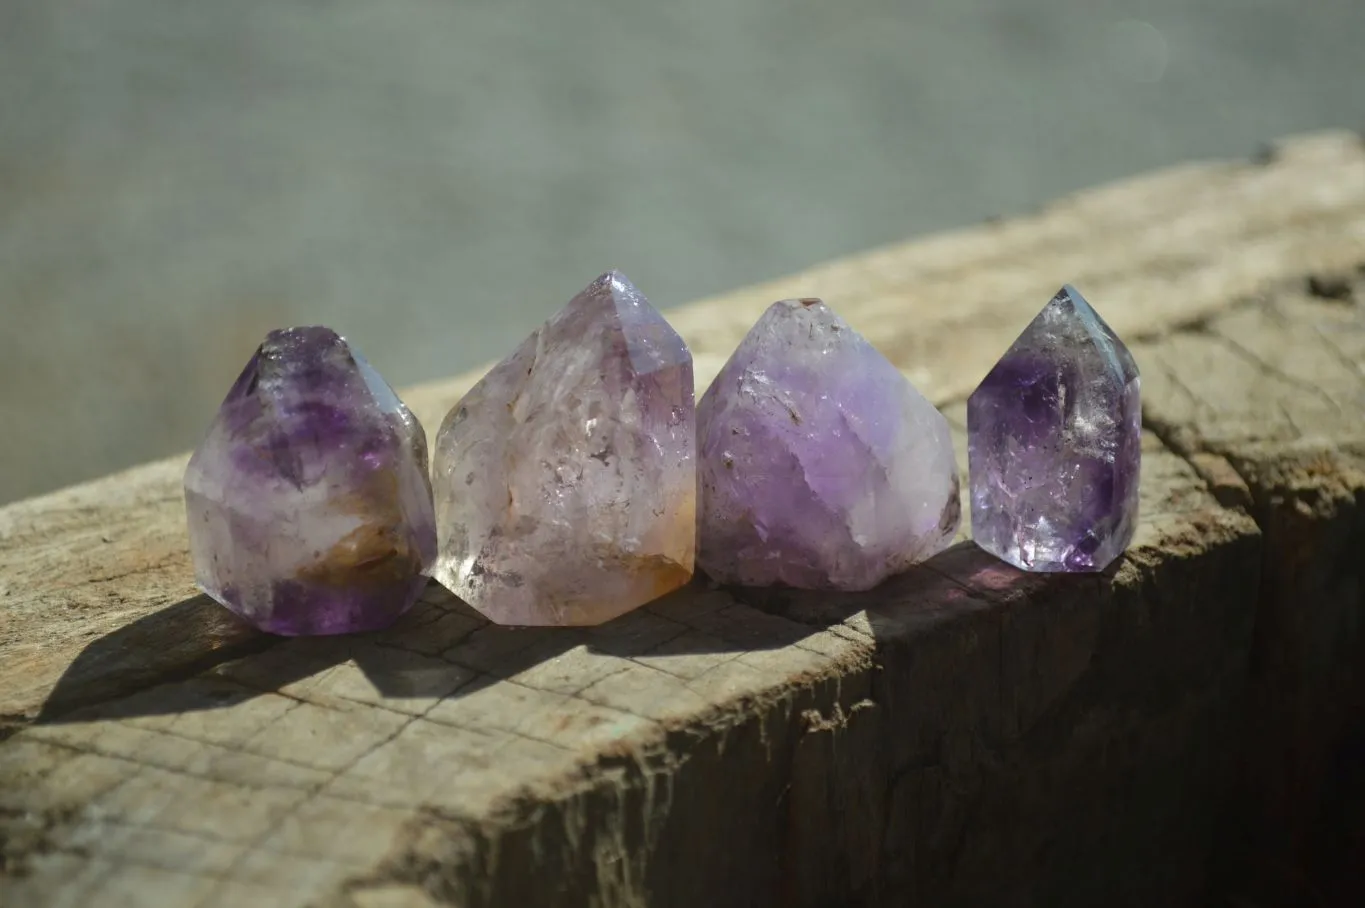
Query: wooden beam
(964,735)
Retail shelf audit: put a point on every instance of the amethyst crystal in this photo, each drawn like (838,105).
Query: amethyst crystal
(309,502)
(1054,444)
(820,466)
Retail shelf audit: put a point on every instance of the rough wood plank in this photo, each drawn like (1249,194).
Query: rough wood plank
(475,763)
(962,733)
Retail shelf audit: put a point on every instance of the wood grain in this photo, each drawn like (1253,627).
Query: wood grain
(962,733)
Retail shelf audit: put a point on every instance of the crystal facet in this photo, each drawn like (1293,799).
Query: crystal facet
(565,481)
(821,466)
(309,502)
(1055,444)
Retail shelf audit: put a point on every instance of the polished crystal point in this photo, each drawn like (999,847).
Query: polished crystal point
(565,482)
(1054,444)
(821,466)
(309,503)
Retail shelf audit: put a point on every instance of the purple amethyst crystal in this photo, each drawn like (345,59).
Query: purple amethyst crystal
(820,466)
(1055,444)
(309,501)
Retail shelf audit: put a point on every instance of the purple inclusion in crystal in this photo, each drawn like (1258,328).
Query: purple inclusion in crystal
(820,466)
(1055,444)
(309,502)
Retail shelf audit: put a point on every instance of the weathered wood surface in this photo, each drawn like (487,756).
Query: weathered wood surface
(966,735)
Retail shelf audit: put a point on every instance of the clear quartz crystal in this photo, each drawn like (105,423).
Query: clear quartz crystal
(565,482)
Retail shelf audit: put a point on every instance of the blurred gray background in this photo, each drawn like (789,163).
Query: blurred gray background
(435,177)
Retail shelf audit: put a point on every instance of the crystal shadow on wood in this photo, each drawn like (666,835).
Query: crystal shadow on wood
(189,656)
(179,641)
(195,655)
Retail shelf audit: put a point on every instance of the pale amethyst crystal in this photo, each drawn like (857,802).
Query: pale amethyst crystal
(821,466)
(565,481)
(1055,444)
(309,502)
